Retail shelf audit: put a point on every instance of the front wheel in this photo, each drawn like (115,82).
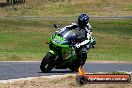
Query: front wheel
(47,64)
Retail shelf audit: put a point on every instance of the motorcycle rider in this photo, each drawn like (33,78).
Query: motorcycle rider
(83,29)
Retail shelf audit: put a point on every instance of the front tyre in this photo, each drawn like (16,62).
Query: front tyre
(47,64)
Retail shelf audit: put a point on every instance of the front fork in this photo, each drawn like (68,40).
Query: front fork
(57,57)
(54,57)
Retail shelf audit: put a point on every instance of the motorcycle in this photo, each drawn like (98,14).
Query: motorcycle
(63,54)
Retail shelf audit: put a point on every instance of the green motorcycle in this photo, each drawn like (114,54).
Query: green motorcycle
(63,54)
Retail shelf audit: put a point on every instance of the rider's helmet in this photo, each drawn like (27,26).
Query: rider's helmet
(83,19)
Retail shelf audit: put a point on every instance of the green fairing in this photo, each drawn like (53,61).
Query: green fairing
(65,49)
(59,38)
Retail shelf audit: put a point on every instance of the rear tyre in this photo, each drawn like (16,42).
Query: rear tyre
(47,64)
(80,62)
(74,69)
(75,66)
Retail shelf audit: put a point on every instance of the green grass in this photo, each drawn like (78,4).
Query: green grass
(24,39)
(71,8)
(114,40)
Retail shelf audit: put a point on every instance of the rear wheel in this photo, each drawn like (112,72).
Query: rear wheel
(80,62)
(47,64)
(74,69)
(75,66)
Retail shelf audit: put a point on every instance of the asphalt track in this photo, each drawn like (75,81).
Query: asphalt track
(15,70)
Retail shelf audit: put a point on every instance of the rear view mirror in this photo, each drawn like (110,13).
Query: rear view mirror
(56,26)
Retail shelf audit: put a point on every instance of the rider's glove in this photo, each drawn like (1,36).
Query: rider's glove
(77,45)
(92,40)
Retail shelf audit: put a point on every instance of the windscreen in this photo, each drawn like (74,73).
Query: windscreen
(65,35)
